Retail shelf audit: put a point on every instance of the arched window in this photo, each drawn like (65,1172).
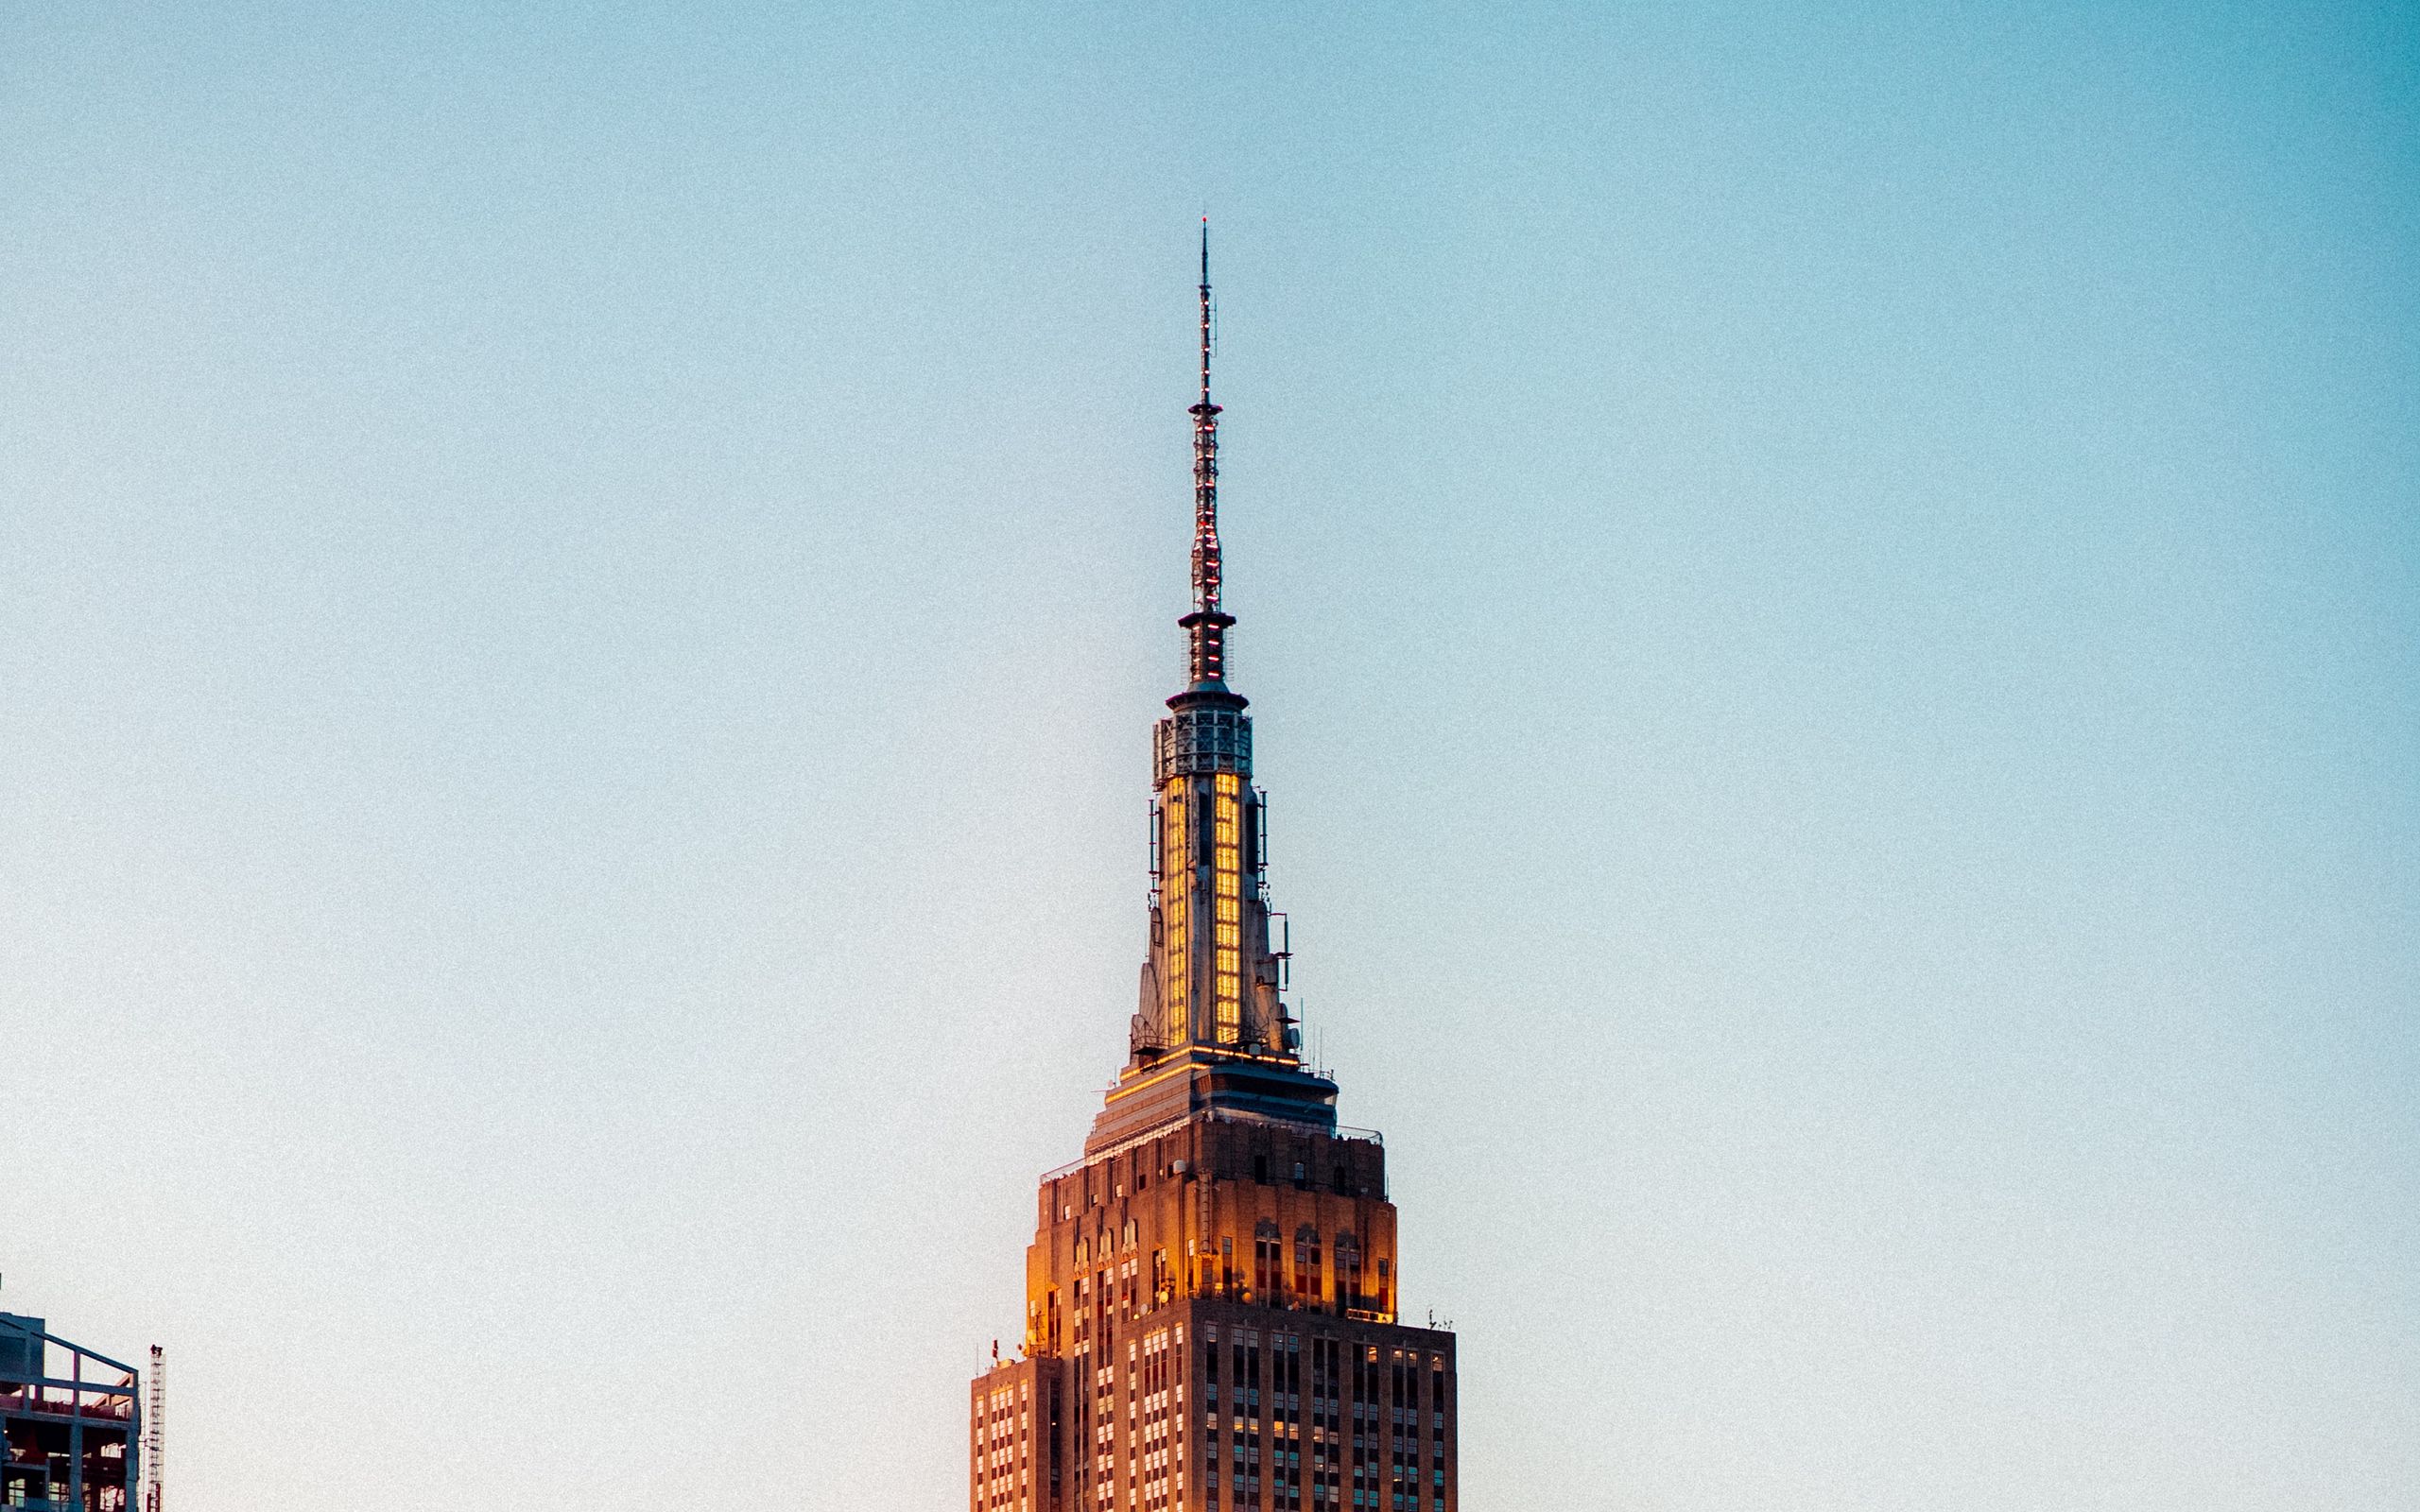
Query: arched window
(1348,1273)
(1267,1264)
(1306,1266)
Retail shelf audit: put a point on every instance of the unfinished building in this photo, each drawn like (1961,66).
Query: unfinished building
(72,1420)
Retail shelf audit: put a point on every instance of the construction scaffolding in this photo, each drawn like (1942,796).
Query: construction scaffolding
(72,1420)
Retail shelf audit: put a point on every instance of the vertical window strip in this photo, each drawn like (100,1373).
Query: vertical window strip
(1176,905)
(1226,888)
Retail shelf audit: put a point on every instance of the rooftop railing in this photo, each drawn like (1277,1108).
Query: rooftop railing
(1339,1131)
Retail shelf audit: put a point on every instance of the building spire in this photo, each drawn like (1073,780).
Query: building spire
(1207,623)
(1205,309)
(1211,1026)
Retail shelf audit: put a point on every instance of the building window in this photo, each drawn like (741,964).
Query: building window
(1268,1268)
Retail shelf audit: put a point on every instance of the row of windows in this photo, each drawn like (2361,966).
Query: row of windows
(1186,832)
(1301,1465)
(1231,841)
(1341,1181)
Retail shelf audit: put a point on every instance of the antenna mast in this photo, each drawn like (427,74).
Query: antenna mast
(1207,622)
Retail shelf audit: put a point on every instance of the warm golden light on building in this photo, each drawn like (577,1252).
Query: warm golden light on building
(1210,1315)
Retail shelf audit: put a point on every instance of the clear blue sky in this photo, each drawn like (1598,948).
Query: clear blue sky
(1833,595)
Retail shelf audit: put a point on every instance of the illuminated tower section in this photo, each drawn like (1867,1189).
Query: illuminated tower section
(1211,978)
(1211,1295)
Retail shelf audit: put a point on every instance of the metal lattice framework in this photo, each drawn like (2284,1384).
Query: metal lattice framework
(1207,623)
(155,1427)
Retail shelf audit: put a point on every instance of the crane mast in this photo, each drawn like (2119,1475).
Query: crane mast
(154,1429)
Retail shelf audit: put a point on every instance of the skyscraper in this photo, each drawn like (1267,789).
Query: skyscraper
(1211,1290)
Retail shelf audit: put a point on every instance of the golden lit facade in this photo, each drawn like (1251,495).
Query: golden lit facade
(1212,1293)
(1213,978)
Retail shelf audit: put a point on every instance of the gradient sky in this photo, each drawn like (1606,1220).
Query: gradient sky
(1833,600)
